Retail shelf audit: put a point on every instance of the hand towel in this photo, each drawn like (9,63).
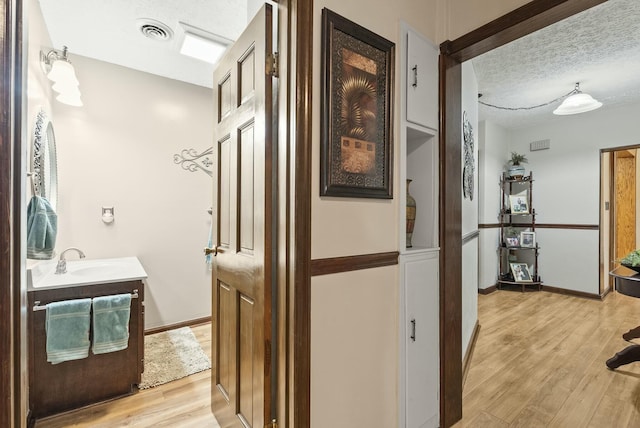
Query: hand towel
(111,323)
(67,328)
(42,228)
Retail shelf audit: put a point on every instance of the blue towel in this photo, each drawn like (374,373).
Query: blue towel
(67,327)
(111,323)
(42,227)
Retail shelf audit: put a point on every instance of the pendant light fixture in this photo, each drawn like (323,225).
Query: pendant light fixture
(577,102)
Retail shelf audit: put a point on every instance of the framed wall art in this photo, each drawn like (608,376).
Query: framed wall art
(356,127)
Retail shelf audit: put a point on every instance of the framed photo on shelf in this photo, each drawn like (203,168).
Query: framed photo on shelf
(518,204)
(528,239)
(520,272)
(356,126)
(512,241)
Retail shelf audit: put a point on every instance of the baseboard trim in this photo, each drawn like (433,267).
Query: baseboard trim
(557,290)
(466,362)
(488,290)
(189,323)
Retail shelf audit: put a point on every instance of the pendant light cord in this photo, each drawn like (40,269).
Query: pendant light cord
(576,90)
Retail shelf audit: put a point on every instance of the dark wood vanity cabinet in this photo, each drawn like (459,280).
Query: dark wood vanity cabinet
(73,384)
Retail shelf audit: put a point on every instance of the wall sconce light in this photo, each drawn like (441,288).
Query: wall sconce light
(59,69)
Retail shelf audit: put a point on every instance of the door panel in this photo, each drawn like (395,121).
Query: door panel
(242,266)
(625,202)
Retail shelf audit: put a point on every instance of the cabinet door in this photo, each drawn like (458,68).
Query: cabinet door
(422,342)
(422,81)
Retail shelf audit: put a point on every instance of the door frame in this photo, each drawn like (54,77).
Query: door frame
(520,22)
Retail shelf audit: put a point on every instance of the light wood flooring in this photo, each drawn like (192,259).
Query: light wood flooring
(183,403)
(540,362)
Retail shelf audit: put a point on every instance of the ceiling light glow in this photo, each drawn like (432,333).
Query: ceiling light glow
(202,48)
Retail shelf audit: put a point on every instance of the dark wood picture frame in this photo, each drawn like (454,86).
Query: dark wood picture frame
(357,92)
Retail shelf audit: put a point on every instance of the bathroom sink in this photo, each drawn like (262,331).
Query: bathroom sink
(85,272)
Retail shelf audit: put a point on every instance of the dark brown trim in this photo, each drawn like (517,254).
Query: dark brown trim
(615,149)
(466,363)
(189,323)
(12,318)
(300,291)
(567,226)
(525,20)
(351,263)
(450,233)
(489,226)
(518,23)
(20,365)
(488,290)
(547,226)
(564,291)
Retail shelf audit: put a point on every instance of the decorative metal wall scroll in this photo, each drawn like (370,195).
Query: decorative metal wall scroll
(191,160)
(469,159)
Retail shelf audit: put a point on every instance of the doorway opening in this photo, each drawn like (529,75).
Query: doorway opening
(619,174)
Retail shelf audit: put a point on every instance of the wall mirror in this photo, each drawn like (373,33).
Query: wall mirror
(44,171)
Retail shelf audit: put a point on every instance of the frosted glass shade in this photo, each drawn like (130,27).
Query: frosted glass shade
(577,103)
(70,98)
(62,71)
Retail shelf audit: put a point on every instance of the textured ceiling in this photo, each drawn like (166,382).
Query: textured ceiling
(600,48)
(107,30)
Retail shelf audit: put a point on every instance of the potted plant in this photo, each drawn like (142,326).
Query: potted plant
(631,260)
(516,170)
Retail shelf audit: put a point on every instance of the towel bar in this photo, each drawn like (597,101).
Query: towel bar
(38,307)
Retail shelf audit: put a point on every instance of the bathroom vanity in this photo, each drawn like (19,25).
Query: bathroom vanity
(55,388)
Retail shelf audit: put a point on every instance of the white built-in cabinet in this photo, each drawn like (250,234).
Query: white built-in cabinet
(419,265)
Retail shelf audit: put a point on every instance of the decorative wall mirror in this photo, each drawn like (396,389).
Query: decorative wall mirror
(44,170)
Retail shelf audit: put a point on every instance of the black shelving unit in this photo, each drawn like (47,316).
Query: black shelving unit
(511,224)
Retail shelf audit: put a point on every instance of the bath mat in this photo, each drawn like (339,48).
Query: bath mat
(171,355)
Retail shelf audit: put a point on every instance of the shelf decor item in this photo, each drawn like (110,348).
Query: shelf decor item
(411,215)
(516,170)
(528,239)
(518,204)
(520,272)
(357,93)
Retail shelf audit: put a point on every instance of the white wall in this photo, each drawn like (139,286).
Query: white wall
(493,156)
(117,150)
(566,188)
(470,214)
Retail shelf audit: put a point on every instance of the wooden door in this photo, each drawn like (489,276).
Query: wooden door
(242,275)
(625,203)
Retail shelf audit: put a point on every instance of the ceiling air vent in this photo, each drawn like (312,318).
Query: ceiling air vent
(154,30)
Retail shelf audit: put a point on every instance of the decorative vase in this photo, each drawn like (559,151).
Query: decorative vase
(516,171)
(411,215)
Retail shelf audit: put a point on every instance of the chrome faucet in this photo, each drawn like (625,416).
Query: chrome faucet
(61,267)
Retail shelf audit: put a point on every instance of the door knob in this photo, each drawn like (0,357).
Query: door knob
(214,251)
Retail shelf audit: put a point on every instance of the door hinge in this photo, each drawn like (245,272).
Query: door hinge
(273,424)
(272,64)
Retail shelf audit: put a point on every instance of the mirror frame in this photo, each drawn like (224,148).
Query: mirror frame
(44,175)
